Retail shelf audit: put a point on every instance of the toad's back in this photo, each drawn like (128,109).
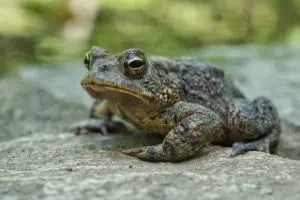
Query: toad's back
(204,84)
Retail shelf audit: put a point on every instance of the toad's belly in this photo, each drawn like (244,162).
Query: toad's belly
(146,121)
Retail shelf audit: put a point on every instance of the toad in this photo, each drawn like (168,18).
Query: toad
(191,103)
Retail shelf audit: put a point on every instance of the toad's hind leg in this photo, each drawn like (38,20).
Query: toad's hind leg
(256,124)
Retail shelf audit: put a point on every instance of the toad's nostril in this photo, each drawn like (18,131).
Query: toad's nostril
(103,67)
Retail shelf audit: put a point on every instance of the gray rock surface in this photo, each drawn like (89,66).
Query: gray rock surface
(38,160)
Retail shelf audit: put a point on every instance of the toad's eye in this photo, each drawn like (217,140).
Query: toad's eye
(87,60)
(135,64)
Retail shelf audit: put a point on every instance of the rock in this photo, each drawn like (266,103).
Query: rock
(39,160)
(62,166)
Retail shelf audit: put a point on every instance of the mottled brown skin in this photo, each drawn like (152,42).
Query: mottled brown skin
(189,102)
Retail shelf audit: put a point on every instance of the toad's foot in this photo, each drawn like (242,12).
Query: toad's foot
(149,153)
(239,148)
(265,144)
(153,153)
(101,126)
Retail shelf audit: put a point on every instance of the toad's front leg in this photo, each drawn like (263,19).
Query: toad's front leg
(196,126)
(100,121)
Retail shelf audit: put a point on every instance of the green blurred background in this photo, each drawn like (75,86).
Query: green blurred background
(57,31)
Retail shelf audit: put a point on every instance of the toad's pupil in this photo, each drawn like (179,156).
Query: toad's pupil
(86,61)
(136,63)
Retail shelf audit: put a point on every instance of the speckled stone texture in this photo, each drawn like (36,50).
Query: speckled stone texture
(39,160)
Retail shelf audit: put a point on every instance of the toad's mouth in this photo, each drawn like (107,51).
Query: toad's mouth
(115,92)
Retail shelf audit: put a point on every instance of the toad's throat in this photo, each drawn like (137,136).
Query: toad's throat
(97,91)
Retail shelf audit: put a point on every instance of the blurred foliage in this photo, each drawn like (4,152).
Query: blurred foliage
(55,31)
